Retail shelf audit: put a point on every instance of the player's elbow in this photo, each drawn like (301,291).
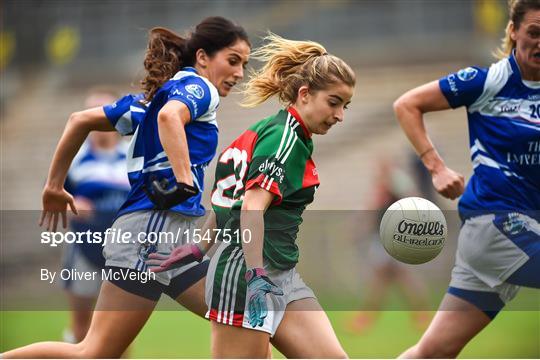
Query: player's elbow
(405,107)
(77,120)
(400,105)
(174,116)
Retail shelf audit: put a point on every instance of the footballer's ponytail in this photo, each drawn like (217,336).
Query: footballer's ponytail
(163,59)
(517,9)
(290,64)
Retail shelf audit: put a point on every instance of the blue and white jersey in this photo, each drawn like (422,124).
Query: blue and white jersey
(100,177)
(126,113)
(504,133)
(146,159)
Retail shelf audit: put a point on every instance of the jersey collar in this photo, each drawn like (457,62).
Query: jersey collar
(190,69)
(295,114)
(515,68)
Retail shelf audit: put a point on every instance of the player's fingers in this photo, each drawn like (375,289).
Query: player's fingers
(64,219)
(254,313)
(263,312)
(158,256)
(48,218)
(276,291)
(153,262)
(72,206)
(43,214)
(157,269)
(55,221)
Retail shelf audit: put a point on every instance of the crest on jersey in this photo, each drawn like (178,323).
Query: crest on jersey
(515,224)
(467,74)
(195,90)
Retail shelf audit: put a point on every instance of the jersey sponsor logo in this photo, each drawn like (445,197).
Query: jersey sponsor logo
(467,74)
(177,92)
(273,170)
(195,90)
(452,83)
(512,108)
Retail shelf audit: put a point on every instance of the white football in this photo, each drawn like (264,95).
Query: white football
(413,230)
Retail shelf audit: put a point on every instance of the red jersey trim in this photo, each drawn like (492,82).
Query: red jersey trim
(311,177)
(295,114)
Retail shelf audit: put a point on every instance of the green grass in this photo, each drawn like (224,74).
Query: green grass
(514,334)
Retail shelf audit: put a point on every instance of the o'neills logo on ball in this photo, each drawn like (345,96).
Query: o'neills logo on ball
(430,228)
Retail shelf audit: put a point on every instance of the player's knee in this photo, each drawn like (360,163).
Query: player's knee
(98,349)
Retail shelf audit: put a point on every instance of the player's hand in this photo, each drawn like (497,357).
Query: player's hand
(55,202)
(165,197)
(448,183)
(182,255)
(258,286)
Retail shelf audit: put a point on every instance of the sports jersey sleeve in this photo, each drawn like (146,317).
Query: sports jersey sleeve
(195,93)
(464,87)
(126,113)
(278,162)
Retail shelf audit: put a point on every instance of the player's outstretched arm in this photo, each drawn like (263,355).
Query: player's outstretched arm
(409,110)
(256,202)
(55,198)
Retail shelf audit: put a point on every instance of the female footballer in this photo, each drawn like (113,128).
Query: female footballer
(175,136)
(264,181)
(499,242)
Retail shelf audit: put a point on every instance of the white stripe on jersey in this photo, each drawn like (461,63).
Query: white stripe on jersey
(290,148)
(269,184)
(284,135)
(510,108)
(134,164)
(498,75)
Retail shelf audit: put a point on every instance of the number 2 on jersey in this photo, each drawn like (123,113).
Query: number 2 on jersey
(233,181)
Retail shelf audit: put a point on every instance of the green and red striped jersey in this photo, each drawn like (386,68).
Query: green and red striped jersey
(274,154)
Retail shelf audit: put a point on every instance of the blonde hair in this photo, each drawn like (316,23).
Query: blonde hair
(516,10)
(290,64)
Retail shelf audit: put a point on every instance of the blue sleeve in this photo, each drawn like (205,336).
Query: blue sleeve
(126,113)
(464,87)
(194,93)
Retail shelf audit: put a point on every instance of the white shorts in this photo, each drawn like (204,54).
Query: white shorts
(486,257)
(226,290)
(73,259)
(133,253)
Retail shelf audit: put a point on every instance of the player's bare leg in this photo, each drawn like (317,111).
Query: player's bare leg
(306,332)
(379,285)
(455,324)
(193,298)
(80,315)
(236,342)
(110,333)
(415,292)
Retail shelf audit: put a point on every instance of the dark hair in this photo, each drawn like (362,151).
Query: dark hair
(517,9)
(168,52)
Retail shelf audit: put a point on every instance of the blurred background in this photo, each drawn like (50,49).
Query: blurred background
(53,52)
